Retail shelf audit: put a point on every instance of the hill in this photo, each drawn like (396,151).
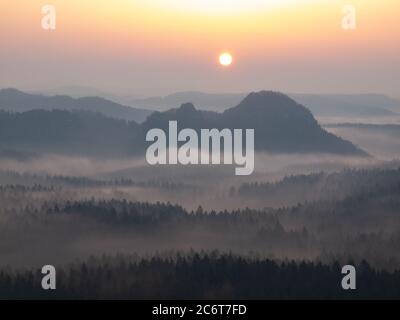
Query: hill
(64,132)
(281,124)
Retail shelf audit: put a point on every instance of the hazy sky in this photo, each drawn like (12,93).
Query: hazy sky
(160,46)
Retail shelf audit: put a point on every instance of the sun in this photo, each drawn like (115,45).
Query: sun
(225,59)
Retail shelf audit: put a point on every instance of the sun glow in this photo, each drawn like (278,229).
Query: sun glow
(225,59)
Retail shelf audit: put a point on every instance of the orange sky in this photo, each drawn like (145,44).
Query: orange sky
(159,46)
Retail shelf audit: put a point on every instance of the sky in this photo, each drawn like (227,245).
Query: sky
(156,47)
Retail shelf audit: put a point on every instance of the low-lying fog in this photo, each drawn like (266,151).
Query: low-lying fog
(189,186)
(382,142)
(28,236)
(137,168)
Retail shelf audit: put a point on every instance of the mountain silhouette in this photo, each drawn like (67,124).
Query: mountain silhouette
(281,125)
(186,115)
(14,100)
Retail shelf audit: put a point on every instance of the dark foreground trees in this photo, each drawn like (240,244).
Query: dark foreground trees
(200,276)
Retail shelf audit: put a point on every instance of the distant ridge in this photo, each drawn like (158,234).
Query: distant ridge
(14,100)
(335,105)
